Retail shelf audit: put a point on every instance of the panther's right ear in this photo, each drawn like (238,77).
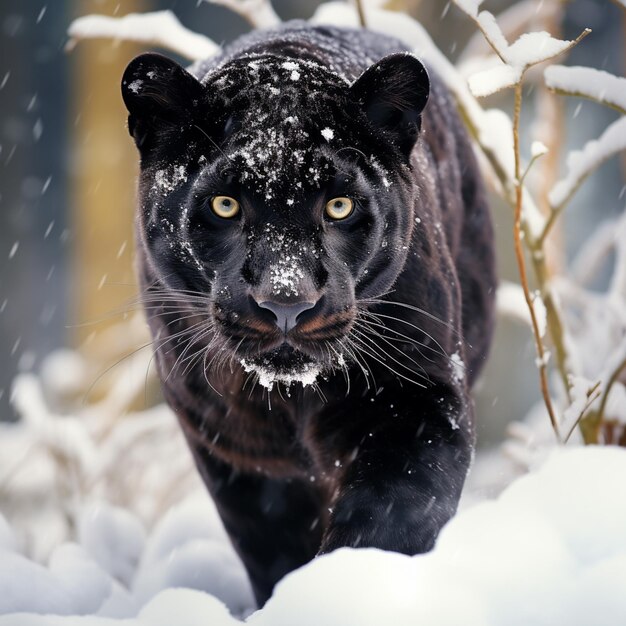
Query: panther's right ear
(393,94)
(159,94)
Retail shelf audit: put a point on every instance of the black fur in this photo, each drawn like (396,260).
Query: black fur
(398,296)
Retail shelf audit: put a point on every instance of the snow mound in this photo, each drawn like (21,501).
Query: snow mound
(114,570)
(551,550)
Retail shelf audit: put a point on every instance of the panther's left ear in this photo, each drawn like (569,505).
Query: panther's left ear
(160,95)
(393,94)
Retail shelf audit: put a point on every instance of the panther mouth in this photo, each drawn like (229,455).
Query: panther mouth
(284,364)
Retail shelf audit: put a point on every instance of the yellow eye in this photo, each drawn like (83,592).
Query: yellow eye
(225,206)
(339,208)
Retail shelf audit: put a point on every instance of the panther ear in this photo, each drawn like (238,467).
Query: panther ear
(159,94)
(393,94)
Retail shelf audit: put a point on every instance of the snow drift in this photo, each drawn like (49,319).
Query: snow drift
(550,550)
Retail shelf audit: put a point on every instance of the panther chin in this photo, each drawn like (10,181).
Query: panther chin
(283,365)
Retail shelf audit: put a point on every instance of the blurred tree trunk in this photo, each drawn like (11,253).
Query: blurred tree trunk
(104,178)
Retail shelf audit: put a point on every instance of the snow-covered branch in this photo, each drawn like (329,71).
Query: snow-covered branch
(610,90)
(160,28)
(78,449)
(582,163)
(528,50)
(588,82)
(513,22)
(510,303)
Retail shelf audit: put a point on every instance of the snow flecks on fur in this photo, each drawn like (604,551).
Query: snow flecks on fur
(275,145)
(381,171)
(288,251)
(176,233)
(184,243)
(135,86)
(285,277)
(306,374)
(328,133)
(457,367)
(169,178)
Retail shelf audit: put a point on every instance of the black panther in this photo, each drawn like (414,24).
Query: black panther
(316,261)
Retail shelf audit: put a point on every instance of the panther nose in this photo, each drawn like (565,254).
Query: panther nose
(286,314)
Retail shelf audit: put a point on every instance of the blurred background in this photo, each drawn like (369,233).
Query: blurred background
(68,171)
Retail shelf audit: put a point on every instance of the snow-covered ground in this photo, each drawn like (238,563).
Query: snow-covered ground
(550,550)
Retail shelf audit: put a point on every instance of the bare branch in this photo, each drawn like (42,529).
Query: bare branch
(592,422)
(592,395)
(361,11)
(542,360)
(607,391)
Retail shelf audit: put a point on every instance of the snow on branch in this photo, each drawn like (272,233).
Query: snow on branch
(588,82)
(528,50)
(258,13)
(160,28)
(581,163)
(513,22)
(510,303)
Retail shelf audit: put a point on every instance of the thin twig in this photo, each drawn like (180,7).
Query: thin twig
(540,267)
(361,13)
(607,391)
(529,166)
(551,128)
(160,28)
(592,395)
(513,191)
(521,264)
